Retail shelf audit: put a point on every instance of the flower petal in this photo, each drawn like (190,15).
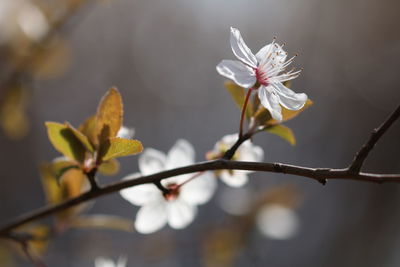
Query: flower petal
(199,190)
(270,101)
(103,262)
(240,49)
(141,194)
(241,74)
(234,178)
(181,154)
(250,152)
(288,98)
(279,55)
(151,217)
(122,260)
(152,161)
(180,213)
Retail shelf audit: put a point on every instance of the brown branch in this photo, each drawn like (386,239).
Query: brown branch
(376,134)
(317,174)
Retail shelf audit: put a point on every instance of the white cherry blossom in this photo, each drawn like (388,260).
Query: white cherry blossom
(246,152)
(105,262)
(265,70)
(177,208)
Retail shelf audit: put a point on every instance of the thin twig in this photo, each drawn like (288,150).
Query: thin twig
(244,108)
(91,175)
(376,134)
(231,152)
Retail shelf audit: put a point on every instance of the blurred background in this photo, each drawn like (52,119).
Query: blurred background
(59,57)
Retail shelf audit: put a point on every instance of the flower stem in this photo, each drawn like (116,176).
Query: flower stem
(246,100)
(191,178)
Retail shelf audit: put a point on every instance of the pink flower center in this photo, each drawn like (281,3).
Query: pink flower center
(173,192)
(261,77)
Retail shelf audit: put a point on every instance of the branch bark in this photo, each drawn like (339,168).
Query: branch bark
(317,174)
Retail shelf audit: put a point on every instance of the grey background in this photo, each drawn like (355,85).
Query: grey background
(162,57)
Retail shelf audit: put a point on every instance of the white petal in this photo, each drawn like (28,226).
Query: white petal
(152,161)
(199,190)
(278,54)
(270,101)
(250,152)
(180,213)
(141,194)
(122,261)
(151,217)
(103,262)
(288,98)
(240,49)
(236,179)
(181,154)
(241,74)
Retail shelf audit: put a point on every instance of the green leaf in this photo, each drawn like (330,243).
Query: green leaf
(239,94)
(81,137)
(282,131)
(65,141)
(290,114)
(109,167)
(108,117)
(87,128)
(263,116)
(120,147)
(49,183)
(109,222)
(59,167)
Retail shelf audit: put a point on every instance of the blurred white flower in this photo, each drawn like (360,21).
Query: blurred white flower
(236,201)
(21,16)
(276,221)
(266,69)
(246,152)
(126,132)
(105,262)
(177,208)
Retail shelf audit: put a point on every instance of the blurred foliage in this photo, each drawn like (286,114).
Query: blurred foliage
(13,114)
(223,245)
(31,47)
(260,117)
(103,221)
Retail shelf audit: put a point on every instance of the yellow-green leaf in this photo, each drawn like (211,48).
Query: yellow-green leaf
(87,128)
(284,132)
(49,183)
(120,147)
(238,94)
(290,114)
(59,167)
(65,141)
(108,117)
(263,116)
(109,167)
(84,140)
